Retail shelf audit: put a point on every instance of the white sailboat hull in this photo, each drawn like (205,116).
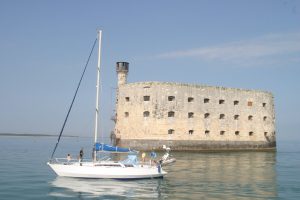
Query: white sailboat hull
(90,170)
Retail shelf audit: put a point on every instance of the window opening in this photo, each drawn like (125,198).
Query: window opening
(250,103)
(146,114)
(146,98)
(206,132)
(222,116)
(171,114)
(250,117)
(191,132)
(171,131)
(236,102)
(126,114)
(250,133)
(236,132)
(206,115)
(236,117)
(221,101)
(127,99)
(190,115)
(206,100)
(171,98)
(222,132)
(190,99)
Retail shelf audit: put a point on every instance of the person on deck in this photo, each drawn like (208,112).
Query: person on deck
(143,158)
(152,156)
(80,156)
(69,157)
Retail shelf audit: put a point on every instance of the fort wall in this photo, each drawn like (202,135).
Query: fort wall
(193,117)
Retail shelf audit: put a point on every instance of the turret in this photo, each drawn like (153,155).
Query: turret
(122,71)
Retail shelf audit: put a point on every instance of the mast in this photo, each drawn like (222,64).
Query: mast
(97,92)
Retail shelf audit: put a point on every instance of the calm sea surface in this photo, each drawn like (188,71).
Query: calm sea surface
(235,175)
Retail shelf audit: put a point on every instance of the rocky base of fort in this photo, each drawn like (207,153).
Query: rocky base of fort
(179,145)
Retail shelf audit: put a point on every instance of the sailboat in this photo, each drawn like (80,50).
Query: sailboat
(104,167)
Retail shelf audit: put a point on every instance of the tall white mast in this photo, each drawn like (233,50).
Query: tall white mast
(97,90)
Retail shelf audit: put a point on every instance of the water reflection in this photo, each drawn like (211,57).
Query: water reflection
(112,189)
(243,175)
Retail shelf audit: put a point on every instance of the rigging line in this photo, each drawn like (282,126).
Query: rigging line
(62,129)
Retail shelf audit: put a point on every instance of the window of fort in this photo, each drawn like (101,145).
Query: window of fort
(171,114)
(190,99)
(146,98)
(206,115)
(171,131)
(206,100)
(236,103)
(221,101)
(250,117)
(264,104)
(250,103)
(265,133)
(265,118)
(146,114)
(206,132)
(222,132)
(171,98)
(236,117)
(127,99)
(222,116)
(191,132)
(126,114)
(190,115)
(250,133)
(236,132)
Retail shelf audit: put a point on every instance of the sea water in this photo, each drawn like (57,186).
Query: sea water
(228,175)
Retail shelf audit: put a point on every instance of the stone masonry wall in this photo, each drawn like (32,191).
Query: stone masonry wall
(191,117)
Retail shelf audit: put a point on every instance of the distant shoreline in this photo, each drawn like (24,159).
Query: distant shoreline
(33,135)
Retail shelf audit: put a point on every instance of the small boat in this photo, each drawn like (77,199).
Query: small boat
(103,166)
(167,158)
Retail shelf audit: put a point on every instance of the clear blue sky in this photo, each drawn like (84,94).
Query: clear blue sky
(44,45)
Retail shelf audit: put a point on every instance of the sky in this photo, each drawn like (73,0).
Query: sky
(44,46)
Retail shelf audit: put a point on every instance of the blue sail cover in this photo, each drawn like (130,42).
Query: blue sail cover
(106,147)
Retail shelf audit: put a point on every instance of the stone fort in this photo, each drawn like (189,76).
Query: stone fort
(192,117)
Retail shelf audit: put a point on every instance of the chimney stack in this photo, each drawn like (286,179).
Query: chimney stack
(122,71)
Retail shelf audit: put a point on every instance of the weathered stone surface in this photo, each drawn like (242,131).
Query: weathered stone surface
(193,117)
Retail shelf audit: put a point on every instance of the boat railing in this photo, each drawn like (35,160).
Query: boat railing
(70,161)
(105,158)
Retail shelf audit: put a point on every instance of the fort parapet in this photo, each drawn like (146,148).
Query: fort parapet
(192,117)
